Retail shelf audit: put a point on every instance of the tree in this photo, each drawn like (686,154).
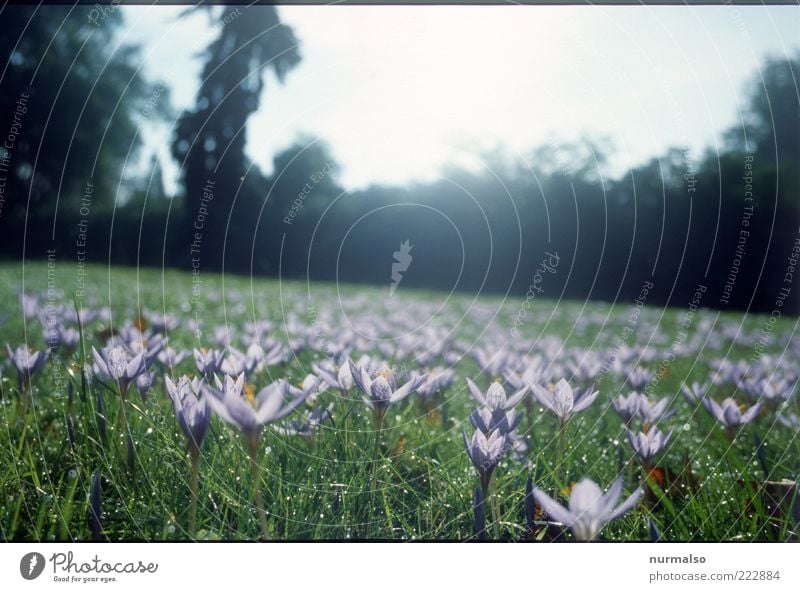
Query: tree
(210,141)
(69,98)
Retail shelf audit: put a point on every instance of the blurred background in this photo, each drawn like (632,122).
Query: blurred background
(637,143)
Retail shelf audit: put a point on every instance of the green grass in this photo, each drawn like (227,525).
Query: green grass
(320,489)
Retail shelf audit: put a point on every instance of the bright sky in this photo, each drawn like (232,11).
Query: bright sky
(400,91)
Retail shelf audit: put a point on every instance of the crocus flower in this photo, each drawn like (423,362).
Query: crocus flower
(118,364)
(380,390)
(648,444)
(269,405)
(144,382)
(491,361)
(485,454)
(639,377)
(309,389)
(26,362)
(160,321)
(56,335)
(487,420)
(30,305)
(252,360)
(729,414)
(562,401)
(341,378)
(439,379)
(589,508)
(192,410)
(495,397)
(532,374)
(651,411)
(223,335)
(193,414)
(773,388)
(275,353)
(207,361)
(235,363)
(149,344)
(627,406)
(695,392)
(169,358)
(231,403)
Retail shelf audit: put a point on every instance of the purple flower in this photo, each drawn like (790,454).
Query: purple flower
(695,392)
(648,444)
(254,359)
(250,414)
(639,377)
(487,420)
(627,407)
(773,389)
(562,401)
(144,382)
(493,363)
(341,378)
(651,411)
(118,364)
(380,390)
(149,344)
(30,305)
(439,379)
(728,412)
(160,321)
(309,389)
(26,362)
(495,397)
(236,363)
(533,374)
(589,508)
(191,409)
(169,358)
(207,361)
(275,353)
(485,454)
(56,335)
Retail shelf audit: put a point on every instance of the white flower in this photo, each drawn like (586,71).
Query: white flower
(589,508)
(562,401)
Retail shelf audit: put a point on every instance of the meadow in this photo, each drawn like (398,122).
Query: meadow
(401,447)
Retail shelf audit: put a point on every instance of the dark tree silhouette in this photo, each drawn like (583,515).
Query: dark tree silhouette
(70,96)
(209,141)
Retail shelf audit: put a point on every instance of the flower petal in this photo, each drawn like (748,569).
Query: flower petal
(552,508)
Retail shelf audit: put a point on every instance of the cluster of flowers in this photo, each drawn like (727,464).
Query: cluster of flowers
(132,357)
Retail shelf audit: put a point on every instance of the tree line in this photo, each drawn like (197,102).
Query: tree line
(727,219)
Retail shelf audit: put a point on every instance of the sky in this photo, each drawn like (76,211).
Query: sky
(400,92)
